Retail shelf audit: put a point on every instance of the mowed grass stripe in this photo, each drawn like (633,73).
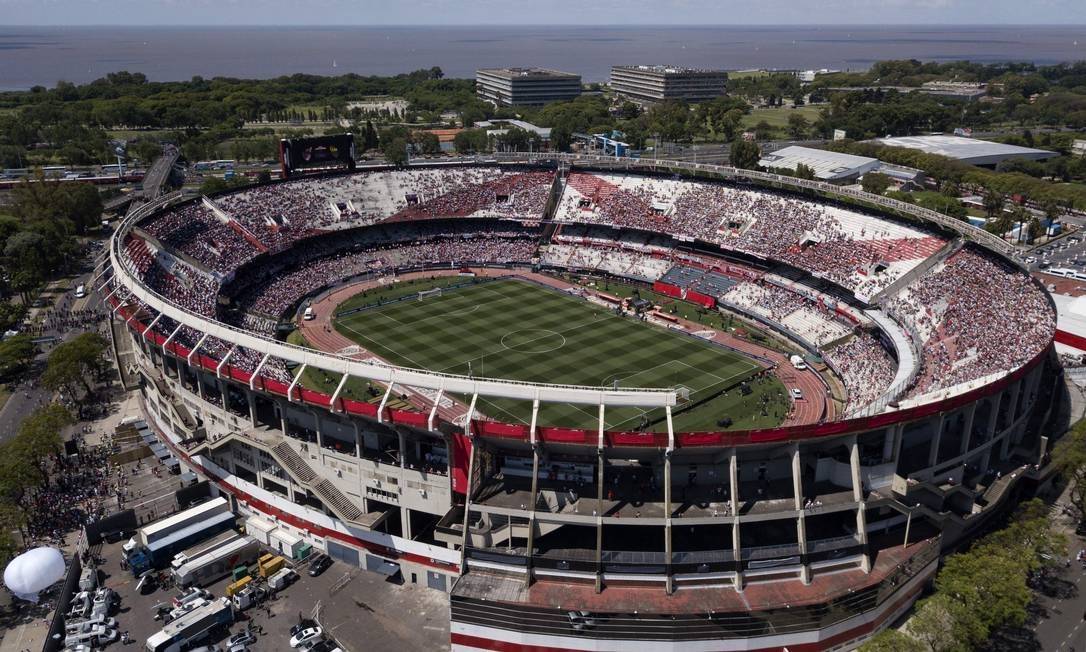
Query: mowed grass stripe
(556,339)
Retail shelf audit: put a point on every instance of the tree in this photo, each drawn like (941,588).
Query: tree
(470,141)
(15,353)
(944,625)
(744,154)
(561,138)
(804,171)
(70,364)
(798,126)
(875,183)
(993,202)
(891,640)
(1069,456)
(428,143)
(395,150)
(40,433)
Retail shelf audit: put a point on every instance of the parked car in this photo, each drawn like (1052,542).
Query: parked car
(244,637)
(319,564)
(306,636)
(797,393)
(304,623)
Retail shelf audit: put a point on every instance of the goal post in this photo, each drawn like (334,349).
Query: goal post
(429,294)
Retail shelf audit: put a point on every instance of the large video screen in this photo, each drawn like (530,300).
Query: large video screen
(297,154)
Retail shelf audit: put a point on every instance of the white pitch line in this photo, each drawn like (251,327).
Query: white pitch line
(383,345)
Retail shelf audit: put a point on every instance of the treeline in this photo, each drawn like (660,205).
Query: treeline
(983,594)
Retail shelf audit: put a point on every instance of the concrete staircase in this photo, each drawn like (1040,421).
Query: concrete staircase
(285,455)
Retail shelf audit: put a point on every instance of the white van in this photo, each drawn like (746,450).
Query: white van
(80,291)
(309,315)
(96,637)
(797,362)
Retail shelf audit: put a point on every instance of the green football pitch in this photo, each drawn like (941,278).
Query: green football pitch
(518,330)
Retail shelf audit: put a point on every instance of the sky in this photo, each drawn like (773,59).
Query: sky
(541,12)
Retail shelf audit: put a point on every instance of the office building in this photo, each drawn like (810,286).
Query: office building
(525,86)
(649,84)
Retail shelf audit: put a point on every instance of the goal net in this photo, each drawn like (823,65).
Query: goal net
(429,294)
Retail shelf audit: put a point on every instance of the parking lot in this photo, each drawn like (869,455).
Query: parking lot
(1063,253)
(361,610)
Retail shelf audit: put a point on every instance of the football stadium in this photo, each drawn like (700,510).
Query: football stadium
(603,403)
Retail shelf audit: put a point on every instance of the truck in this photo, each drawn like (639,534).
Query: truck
(161,552)
(203,547)
(218,563)
(192,627)
(165,527)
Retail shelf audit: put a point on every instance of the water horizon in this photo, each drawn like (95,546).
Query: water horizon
(42,55)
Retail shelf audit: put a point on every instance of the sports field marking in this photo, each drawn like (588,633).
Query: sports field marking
(382,345)
(595,320)
(534,339)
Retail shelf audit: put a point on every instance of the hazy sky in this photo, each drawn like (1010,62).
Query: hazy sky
(528,12)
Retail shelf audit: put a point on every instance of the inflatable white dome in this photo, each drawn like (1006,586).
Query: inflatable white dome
(33,571)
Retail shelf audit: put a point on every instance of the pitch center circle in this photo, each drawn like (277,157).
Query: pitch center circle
(533,340)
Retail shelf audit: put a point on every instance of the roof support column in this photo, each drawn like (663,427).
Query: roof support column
(737,544)
(801,527)
(599,504)
(534,498)
(669,581)
(858,497)
(933,454)
(967,433)
(468,491)
(256,372)
(335,394)
(294,383)
(431,421)
(388,392)
(151,325)
(203,338)
(225,359)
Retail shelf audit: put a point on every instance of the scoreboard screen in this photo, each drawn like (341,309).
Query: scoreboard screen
(317,152)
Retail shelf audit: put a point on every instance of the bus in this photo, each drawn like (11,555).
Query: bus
(192,627)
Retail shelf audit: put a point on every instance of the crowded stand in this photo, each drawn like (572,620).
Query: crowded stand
(858,252)
(265,249)
(866,368)
(278,292)
(477,192)
(765,299)
(976,317)
(612,260)
(195,231)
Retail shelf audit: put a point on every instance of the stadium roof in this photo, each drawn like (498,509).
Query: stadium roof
(827,165)
(967,150)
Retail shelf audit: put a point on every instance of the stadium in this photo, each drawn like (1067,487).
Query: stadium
(603,403)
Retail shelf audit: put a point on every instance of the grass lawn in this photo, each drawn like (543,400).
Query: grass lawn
(517,330)
(778,117)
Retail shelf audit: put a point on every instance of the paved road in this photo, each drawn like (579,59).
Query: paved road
(1062,627)
(25,399)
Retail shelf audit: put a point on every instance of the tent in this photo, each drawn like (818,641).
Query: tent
(34,571)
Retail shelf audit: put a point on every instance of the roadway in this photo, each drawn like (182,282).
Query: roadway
(29,396)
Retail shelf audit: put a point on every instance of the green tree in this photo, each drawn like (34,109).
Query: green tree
(891,640)
(993,202)
(744,154)
(945,625)
(798,126)
(875,183)
(804,171)
(15,354)
(1069,456)
(428,143)
(71,363)
(395,150)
